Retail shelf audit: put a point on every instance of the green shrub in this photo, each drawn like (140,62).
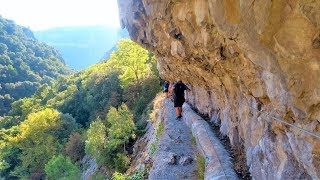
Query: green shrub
(118,176)
(60,167)
(140,105)
(98,176)
(201,166)
(122,162)
(138,174)
(153,148)
(141,127)
(160,130)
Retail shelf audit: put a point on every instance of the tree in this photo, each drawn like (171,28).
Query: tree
(67,125)
(8,153)
(74,148)
(131,59)
(61,167)
(104,143)
(121,126)
(37,140)
(96,140)
(8,121)
(3,48)
(138,70)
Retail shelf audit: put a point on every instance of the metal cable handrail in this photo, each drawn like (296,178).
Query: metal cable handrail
(285,122)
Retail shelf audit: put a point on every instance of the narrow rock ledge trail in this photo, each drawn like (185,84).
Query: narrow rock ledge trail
(176,154)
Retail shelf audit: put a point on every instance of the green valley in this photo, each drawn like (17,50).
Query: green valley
(95,112)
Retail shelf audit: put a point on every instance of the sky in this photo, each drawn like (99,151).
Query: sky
(45,14)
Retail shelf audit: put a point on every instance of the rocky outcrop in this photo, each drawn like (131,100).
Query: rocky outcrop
(89,167)
(242,57)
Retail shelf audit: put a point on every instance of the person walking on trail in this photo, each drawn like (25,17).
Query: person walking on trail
(178,95)
(170,91)
(166,88)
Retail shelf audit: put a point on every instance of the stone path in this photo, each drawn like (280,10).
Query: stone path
(175,157)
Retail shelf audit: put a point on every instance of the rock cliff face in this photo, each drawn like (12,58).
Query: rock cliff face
(242,57)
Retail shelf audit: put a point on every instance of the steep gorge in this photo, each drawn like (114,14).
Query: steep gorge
(241,57)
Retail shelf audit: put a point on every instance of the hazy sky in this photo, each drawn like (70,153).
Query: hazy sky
(44,14)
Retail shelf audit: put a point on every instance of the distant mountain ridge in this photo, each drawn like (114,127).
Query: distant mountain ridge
(25,64)
(84,45)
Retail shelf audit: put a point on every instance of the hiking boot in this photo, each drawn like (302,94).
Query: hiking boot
(178,117)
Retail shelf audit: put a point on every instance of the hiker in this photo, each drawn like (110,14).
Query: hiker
(170,91)
(166,88)
(178,95)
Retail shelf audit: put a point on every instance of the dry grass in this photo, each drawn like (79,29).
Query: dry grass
(156,107)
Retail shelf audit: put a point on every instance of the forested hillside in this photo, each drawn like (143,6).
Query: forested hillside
(25,63)
(83,46)
(94,112)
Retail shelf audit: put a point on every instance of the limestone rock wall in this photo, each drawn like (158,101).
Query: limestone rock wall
(237,54)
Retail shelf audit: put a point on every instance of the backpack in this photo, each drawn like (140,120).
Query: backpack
(179,90)
(166,85)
